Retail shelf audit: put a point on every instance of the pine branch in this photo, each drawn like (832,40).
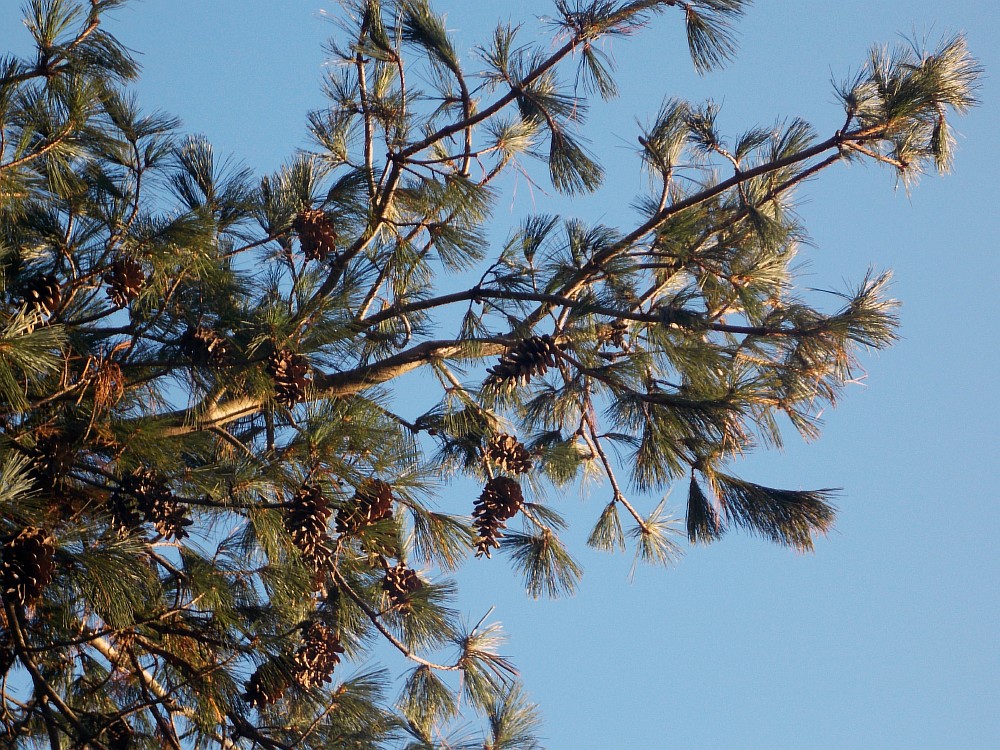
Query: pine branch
(373,616)
(43,689)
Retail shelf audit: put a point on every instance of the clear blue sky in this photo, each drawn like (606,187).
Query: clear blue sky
(887,637)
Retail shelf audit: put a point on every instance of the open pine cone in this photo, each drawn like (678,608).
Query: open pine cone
(372,502)
(118,735)
(316,234)
(204,346)
(289,372)
(306,521)
(317,657)
(506,453)
(527,358)
(54,455)
(125,281)
(26,565)
(147,492)
(500,501)
(42,292)
(399,582)
(265,687)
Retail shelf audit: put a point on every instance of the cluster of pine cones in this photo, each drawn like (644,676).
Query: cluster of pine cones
(204,346)
(308,513)
(145,492)
(501,498)
(312,666)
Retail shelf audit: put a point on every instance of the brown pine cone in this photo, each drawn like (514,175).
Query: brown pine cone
(317,657)
(617,334)
(289,372)
(529,357)
(125,516)
(316,234)
(7,657)
(372,502)
(26,565)
(53,458)
(125,281)
(118,735)
(507,454)
(264,688)
(306,519)
(499,502)
(204,346)
(399,582)
(153,499)
(42,292)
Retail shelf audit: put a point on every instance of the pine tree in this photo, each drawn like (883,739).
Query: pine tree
(210,501)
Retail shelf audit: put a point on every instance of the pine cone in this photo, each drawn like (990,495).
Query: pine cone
(507,454)
(125,281)
(264,687)
(372,502)
(26,567)
(500,501)
(7,657)
(524,360)
(316,234)
(399,582)
(617,334)
(306,520)
(153,499)
(204,346)
(41,292)
(125,517)
(289,372)
(118,735)
(54,456)
(317,657)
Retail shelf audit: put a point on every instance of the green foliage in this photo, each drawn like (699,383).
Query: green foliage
(229,403)
(544,562)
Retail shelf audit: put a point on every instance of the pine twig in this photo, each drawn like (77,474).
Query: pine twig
(372,615)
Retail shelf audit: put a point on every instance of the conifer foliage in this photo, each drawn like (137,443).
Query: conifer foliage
(221,494)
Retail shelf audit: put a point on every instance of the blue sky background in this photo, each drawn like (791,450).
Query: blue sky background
(886,637)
